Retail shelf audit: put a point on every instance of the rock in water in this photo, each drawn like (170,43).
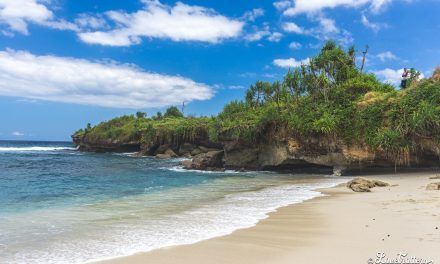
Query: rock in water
(364,185)
(163,156)
(211,160)
(162,148)
(433,186)
(186,164)
(170,152)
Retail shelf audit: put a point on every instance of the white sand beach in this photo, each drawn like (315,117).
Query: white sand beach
(342,227)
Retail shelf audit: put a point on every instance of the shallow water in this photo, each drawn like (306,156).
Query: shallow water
(58,205)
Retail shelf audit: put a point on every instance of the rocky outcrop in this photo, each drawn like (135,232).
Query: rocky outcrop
(317,154)
(364,185)
(278,151)
(102,146)
(211,160)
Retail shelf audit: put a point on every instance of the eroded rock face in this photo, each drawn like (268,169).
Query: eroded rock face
(212,160)
(186,148)
(106,146)
(364,185)
(279,152)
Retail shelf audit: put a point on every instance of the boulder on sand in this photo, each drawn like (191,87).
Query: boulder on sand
(364,185)
(435,186)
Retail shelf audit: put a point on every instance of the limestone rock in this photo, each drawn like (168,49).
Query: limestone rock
(433,186)
(162,148)
(196,151)
(212,160)
(186,163)
(186,148)
(170,152)
(163,156)
(364,185)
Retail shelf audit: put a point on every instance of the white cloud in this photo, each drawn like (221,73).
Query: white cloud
(295,45)
(92,22)
(378,5)
(290,63)
(392,76)
(327,25)
(236,87)
(253,14)
(373,26)
(257,35)
(178,23)
(296,7)
(387,55)
(265,32)
(17,134)
(292,28)
(325,30)
(79,81)
(281,5)
(275,37)
(17,13)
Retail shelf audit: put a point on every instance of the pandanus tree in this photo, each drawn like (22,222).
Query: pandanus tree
(258,93)
(332,66)
(293,82)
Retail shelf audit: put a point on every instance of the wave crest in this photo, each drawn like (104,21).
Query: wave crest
(34,149)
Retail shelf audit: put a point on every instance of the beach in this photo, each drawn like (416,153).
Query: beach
(401,221)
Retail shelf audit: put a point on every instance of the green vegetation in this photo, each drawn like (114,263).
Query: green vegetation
(328,97)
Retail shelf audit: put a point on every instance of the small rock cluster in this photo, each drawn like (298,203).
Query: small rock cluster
(434,186)
(360,184)
(211,160)
(199,157)
(188,150)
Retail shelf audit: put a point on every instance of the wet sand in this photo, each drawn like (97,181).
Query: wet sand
(342,227)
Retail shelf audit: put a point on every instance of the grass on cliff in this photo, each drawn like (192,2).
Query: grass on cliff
(328,97)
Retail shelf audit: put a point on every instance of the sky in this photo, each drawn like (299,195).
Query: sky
(65,63)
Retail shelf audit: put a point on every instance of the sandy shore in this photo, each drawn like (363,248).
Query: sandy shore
(343,227)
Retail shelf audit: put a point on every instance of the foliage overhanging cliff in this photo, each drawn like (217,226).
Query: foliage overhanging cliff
(327,98)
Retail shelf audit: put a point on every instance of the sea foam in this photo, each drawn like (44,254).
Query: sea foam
(33,149)
(217,218)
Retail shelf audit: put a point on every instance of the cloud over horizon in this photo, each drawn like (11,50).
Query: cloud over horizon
(80,81)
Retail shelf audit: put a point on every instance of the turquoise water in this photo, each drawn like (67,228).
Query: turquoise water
(58,205)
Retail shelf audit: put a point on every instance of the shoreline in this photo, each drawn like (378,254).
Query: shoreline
(297,232)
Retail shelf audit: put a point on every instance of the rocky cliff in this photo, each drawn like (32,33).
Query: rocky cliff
(281,153)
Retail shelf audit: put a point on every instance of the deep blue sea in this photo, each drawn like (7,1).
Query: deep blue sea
(59,205)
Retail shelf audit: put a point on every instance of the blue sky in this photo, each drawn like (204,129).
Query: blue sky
(66,63)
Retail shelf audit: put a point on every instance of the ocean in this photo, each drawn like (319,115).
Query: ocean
(59,205)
